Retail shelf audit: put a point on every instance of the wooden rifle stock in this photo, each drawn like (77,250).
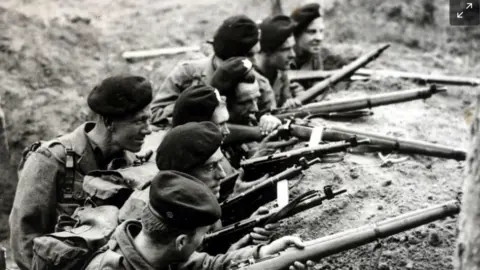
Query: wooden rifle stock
(300,75)
(381,142)
(351,104)
(338,75)
(240,134)
(336,243)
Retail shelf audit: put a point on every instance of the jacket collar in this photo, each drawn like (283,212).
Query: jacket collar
(124,236)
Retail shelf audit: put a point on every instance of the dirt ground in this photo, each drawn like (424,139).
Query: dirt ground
(53,52)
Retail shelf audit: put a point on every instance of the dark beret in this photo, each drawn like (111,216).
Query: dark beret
(188,146)
(182,200)
(230,73)
(275,31)
(120,96)
(195,104)
(304,15)
(235,37)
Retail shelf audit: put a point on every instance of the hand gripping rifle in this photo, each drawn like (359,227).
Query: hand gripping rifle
(303,202)
(256,167)
(246,203)
(336,243)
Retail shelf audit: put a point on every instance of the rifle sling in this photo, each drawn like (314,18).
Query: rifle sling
(287,208)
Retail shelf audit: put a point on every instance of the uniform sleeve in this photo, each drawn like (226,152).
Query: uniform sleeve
(203,261)
(267,101)
(164,101)
(34,207)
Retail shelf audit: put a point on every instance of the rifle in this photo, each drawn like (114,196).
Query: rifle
(339,242)
(339,74)
(244,204)
(363,73)
(381,142)
(312,199)
(256,167)
(351,104)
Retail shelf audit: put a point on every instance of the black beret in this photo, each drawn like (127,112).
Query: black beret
(230,73)
(304,15)
(235,37)
(119,96)
(275,31)
(188,146)
(182,200)
(195,104)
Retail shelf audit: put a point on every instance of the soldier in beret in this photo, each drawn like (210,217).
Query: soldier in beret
(277,55)
(242,94)
(309,36)
(194,148)
(51,177)
(172,226)
(237,36)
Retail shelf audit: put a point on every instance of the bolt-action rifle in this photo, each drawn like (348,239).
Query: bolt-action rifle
(336,243)
(256,167)
(235,231)
(379,142)
(351,104)
(246,203)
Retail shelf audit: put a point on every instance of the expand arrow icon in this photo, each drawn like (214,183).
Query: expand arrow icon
(469,5)
(459,15)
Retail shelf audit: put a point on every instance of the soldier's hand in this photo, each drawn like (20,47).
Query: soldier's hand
(241,185)
(292,103)
(280,245)
(267,146)
(296,89)
(243,242)
(268,123)
(300,266)
(263,235)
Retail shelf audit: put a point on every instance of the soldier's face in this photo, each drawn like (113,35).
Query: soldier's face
(211,172)
(311,39)
(245,103)
(129,133)
(284,56)
(220,117)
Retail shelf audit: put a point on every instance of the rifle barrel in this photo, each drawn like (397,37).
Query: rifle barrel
(299,75)
(336,243)
(398,144)
(368,102)
(348,70)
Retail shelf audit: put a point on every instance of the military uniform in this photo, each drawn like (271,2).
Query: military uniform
(123,255)
(194,72)
(41,192)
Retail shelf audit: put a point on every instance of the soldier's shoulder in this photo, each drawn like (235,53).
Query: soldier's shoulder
(194,63)
(106,260)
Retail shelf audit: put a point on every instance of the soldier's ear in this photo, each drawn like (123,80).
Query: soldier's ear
(109,123)
(180,242)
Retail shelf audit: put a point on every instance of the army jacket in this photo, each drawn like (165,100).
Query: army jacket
(39,200)
(193,72)
(122,254)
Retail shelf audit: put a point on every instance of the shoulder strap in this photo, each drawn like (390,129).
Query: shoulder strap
(69,186)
